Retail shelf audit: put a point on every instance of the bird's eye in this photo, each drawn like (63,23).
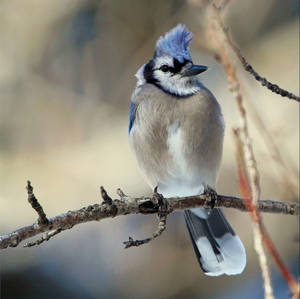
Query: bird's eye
(164,68)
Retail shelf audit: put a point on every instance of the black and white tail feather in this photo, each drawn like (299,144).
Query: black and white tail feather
(218,249)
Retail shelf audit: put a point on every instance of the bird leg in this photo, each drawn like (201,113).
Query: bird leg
(213,196)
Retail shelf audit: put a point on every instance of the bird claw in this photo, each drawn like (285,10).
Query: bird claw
(213,195)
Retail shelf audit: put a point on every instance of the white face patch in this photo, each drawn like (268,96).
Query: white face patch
(174,83)
(140,76)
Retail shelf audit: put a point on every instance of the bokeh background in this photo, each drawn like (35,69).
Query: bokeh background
(66,76)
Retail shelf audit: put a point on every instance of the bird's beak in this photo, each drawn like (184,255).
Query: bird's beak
(194,70)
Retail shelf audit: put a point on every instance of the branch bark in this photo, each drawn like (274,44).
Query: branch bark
(127,205)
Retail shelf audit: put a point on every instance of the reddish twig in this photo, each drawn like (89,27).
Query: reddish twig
(247,190)
(256,217)
(248,172)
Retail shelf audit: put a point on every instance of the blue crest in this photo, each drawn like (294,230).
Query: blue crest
(175,43)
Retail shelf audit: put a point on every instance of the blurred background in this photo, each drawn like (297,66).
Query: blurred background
(66,77)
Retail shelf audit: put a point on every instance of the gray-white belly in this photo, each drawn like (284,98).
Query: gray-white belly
(178,145)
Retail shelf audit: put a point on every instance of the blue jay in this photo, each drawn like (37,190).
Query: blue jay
(176,131)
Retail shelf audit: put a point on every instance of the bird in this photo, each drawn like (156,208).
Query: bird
(176,132)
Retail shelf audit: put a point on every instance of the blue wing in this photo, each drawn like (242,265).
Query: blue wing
(132,110)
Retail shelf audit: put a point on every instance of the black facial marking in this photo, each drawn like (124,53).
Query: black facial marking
(148,72)
(178,65)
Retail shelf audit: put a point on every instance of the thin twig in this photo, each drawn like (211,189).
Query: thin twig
(106,198)
(36,205)
(223,5)
(45,237)
(263,81)
(247,66)
(163,211)
(256,220)
(247,161)
(273,87)
(161,228)
(248,170)
(284,170)
(144,205)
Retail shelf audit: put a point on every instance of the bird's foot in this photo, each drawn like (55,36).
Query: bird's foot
(213,195)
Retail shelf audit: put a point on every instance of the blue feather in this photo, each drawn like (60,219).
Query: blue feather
(175,43)
(132,110)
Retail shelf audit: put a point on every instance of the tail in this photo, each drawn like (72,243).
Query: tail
(219,250)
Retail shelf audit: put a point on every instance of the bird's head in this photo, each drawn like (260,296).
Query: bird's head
(171,67)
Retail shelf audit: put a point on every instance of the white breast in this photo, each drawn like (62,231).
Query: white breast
(176,148)
(183,180)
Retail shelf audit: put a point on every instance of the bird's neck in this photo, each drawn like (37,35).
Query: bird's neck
(180,89)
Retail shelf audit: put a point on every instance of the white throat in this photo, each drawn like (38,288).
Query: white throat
(180,86)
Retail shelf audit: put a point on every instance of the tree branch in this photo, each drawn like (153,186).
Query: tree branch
(127,205)
(248,67)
